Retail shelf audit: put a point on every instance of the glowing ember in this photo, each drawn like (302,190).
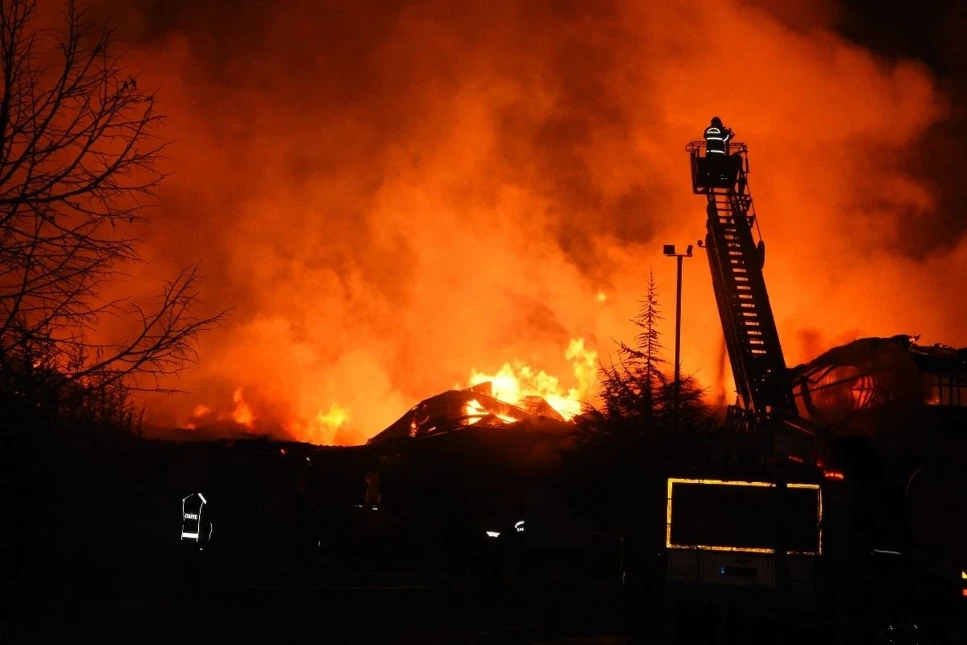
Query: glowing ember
(601,297)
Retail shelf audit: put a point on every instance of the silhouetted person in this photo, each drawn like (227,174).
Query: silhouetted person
(372,489)
(717,138)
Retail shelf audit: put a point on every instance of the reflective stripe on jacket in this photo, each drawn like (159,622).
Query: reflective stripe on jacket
(716,139)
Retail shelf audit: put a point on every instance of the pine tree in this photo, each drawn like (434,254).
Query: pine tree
(638,398)
(628,441)
(631,387)
(645,358)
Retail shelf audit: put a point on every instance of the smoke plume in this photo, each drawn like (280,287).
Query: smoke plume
(395,195)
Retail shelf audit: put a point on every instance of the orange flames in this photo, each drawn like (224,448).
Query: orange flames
(242,414)
(476,412)
(512,383)
(320,429)
(446,194)
(515,381)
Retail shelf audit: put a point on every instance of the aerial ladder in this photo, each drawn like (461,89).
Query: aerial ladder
(736,255)
(766,405)
(737,527)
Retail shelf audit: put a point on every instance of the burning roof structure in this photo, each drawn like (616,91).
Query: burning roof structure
(884,387)
(475,406)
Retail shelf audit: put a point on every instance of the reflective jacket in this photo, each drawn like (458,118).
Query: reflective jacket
(716,139)
(193,525)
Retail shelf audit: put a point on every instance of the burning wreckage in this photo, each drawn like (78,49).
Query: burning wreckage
(475,406)
(462,479)
(877,388)
(460,476)
(901,396)
(908,403)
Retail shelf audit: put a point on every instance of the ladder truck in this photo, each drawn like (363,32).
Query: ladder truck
(790,524)
(736,535)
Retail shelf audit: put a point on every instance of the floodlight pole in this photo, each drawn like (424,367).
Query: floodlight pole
(669,250)
(678,327)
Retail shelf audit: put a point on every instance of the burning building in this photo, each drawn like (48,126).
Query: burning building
(474,406)
(903,396)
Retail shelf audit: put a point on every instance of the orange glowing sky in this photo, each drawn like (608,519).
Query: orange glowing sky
(396,196)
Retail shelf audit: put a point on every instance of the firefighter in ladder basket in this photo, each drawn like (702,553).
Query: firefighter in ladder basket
(717,138)
(722,168)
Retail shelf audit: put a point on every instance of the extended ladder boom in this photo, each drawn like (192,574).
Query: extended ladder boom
(736,261)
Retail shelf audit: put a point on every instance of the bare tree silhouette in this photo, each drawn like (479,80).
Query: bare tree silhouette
(78,162)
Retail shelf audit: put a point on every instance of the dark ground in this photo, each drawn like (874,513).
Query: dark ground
(83,560)
(385,607)
(382,611)
(404,612)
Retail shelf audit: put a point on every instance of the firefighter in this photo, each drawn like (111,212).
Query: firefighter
(194,527)
(717,138)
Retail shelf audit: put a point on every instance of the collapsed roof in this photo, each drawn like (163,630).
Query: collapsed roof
(936,357)
(475,406)
(892,376)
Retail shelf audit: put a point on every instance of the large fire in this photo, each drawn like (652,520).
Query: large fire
(514,382)
(395,198)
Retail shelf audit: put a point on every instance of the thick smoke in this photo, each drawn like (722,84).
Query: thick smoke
(391,195)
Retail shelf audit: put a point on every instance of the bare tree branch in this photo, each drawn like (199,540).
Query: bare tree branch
(78,162)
